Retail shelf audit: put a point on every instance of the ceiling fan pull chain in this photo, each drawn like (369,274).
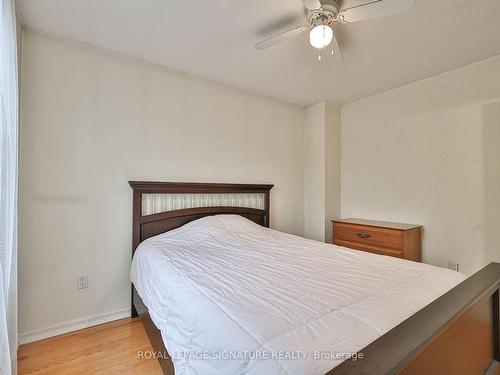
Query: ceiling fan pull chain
(319,54)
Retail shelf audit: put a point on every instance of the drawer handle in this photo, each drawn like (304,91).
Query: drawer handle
(363,235)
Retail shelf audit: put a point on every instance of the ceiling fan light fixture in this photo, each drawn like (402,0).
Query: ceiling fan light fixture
(321,36)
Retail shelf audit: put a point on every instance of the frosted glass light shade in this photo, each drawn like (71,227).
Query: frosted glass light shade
(321,36)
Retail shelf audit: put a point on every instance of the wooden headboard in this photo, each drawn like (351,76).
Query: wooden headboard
(159,207)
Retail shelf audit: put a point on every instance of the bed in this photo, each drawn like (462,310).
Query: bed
(228,295)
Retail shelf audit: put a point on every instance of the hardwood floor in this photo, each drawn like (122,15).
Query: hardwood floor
(110,348)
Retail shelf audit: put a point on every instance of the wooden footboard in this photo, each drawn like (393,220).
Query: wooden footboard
(458,334)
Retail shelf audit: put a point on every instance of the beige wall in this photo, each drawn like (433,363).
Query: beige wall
(491,180)
(321,169)
(416,154)
(332,168)
(91,122)
(314,168)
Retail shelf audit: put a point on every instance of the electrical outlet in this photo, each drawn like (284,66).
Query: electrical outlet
(454,266)
(83,282)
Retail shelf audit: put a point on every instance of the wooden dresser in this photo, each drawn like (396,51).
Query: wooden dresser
(394,239)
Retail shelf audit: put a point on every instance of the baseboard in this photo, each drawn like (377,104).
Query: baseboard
(73,325)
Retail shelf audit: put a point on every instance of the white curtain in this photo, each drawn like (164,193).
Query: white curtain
(8,187)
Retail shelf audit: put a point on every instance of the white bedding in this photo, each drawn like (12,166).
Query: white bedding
(223,287)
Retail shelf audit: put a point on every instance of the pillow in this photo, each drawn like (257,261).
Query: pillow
(222,224)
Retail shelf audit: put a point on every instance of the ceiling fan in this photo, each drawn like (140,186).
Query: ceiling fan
(322,14)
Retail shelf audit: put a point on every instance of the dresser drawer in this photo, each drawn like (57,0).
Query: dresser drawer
(382,238)
(393,239)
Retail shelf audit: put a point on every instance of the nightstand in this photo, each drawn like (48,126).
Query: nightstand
(393,239)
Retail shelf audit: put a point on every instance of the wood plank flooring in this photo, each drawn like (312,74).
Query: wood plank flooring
(110,348)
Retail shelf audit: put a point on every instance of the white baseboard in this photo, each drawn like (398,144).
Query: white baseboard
(73,325)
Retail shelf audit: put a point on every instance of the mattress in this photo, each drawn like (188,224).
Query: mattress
(232,297)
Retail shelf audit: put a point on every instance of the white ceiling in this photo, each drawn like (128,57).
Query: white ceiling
(214,39)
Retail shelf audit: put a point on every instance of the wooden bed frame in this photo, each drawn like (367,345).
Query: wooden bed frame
(457,334)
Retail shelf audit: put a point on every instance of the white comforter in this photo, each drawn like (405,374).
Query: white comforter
(232,297)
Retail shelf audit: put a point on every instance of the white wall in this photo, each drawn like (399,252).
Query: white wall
(416,154)
(321,169)
(91,122)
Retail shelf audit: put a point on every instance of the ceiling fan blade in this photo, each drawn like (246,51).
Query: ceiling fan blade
(311,4)
(282,23)
(336,48)
(269,42)
(374,9)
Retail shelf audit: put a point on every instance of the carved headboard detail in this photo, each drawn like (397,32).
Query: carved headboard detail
(162,206)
